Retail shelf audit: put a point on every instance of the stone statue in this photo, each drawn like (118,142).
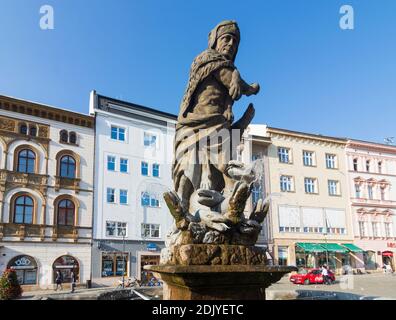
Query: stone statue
(211,188)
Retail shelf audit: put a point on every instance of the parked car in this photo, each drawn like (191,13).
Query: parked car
(308,276)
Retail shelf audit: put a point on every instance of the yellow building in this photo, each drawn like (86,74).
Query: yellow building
(309,223)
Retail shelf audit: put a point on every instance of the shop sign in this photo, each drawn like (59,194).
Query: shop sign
(391,245)
(151,247)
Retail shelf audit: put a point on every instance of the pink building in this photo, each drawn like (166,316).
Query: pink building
(372,186)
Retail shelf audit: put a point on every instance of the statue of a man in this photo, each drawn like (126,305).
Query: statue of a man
(213,86)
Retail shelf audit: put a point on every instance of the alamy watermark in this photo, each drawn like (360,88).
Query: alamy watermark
(47,19)
(347,21)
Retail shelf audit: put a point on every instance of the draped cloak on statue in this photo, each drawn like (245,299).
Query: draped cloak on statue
(197,123)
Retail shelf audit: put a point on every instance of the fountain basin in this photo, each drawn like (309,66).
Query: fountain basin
(217,282)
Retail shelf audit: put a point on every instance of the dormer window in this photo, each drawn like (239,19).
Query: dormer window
(73,138)
(23,128)
(64,136)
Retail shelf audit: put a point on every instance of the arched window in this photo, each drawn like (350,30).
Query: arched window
(25,268)
(73,138)
(26,161)
(33,131)
(64,136)
(66,211)
(67,167)
(23,128)
(23,210)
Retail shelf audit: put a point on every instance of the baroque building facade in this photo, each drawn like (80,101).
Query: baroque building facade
(372,185)
(46,192)
(133,158)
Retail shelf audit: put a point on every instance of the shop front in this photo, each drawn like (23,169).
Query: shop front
(114,264)
(147,258)
(66,265)
(335,256)
(25,268)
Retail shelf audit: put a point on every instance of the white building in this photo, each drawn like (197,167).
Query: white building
(46,192)
(134,153)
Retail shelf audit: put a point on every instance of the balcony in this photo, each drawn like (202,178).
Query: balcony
(23,179)
(67,183)
(70,232)
(22,231)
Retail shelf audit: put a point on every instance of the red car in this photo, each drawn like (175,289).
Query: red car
(308,276)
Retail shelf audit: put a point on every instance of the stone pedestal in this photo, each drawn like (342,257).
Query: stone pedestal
(217,282)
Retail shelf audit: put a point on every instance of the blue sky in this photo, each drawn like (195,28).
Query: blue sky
(314,76)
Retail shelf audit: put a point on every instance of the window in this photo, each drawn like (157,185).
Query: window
(26,161)
(286,183)
(33,131)
(66,213)
(149,200)
(156,171)
(23,128)
(357,191)
(144,167)
(64,136)
(124,196)
(331,161)
(114,264)
(355,164)
(336,230)
(388,229)
(376,229)
(124,165)
(282,256)
(68,167)
(370,192)
(116,229)
(283,154)
(333,187)
(150,230)
(23,210)
(368,165)
(362,229)
(117,133)
(308,158)
(379,166)
(289,229)
(310,185)
(73,138)
(25,268)
(313,229)
(111,163)
(150,140)
(382,194)
(110,195)
(257,193)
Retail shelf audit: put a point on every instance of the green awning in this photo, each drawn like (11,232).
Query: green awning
(334,247)
(352,247)
(310,247)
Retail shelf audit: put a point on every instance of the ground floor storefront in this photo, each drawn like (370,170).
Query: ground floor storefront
(378,254)
(36,264)
(114,259)
(338,256)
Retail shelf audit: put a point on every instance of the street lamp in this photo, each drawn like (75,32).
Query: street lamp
(325,234)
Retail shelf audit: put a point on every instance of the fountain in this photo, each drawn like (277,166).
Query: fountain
(210,252)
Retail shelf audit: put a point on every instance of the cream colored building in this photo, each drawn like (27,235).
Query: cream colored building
(309,221)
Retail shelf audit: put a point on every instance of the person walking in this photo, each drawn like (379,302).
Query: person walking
(325,274)
(58,280)
(73,281)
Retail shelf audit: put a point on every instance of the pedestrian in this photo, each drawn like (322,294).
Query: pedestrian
(73,280)
(58,280)
(325,274)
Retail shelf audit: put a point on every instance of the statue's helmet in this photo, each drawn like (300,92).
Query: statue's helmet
(224,27)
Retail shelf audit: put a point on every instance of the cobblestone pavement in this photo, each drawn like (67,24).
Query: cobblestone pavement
(373,285)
